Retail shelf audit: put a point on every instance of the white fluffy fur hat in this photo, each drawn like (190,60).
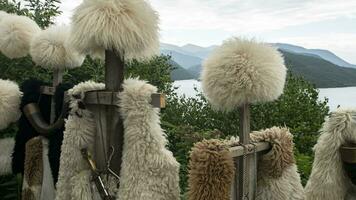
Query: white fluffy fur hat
(16,33)
(3,14)
(10,98)
(50,48)
(128,26)
(243,71)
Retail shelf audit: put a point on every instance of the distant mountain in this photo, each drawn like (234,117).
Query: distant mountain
(179,73)
(195,71)
(325,54)
(184,60)
(320,72)
(309,63)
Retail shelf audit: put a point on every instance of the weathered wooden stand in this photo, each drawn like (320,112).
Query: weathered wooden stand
(110,131)
(244,186)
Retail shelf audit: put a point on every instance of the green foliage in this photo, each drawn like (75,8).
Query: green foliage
(304,163)
(42,12)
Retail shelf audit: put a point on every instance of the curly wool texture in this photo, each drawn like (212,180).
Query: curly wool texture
(7,147)
(328,180)
(281,155)
(149,170)
(50,49)
(211,171)
(16,33)
(128,26)
(80,129)
(243,71)
(10,98)
(277,178)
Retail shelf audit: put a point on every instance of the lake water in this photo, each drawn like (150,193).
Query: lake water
(345,97)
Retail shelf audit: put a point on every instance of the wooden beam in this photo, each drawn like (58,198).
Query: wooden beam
(261,147)
(111,98)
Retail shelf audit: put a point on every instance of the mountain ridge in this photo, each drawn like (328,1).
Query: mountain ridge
(309,63)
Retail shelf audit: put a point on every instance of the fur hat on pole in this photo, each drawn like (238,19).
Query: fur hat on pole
(243,71)
(328,180)
(130,27)
(10,98)
(3,14)
(50,48)
(16,33)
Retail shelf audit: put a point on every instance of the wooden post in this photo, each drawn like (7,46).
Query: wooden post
(114,77)
(244,182)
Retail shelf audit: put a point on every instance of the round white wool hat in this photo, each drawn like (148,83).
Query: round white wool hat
(50,49)
(130,27)
(16,33)
(10,99)
(243,71)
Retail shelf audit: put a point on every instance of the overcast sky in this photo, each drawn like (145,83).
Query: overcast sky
(325,24)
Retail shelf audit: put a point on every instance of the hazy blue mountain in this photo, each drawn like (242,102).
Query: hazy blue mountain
(325,54)
(179,73)
(195,71)
(317,66)
(183,60)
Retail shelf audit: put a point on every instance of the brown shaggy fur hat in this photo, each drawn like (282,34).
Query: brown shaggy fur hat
(211,166)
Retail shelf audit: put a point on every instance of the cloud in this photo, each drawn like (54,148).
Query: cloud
(249,16)
(207,22)
(342,44)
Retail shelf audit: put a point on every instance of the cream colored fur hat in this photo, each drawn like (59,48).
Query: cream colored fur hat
(50,49)
(129,27)
(243,71)
(16,33)
(10,98)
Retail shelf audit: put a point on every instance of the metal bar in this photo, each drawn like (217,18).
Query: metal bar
(260,148)
(111,98)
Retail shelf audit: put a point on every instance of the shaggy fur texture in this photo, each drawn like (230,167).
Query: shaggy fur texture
(33,172)
(80,130)
(277,178)
(50,49)
(211,171)
(149,170)
(10,98)
(16,33)
(3,15)
(128,26)
(328,180)
(7,146)
(243,71)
